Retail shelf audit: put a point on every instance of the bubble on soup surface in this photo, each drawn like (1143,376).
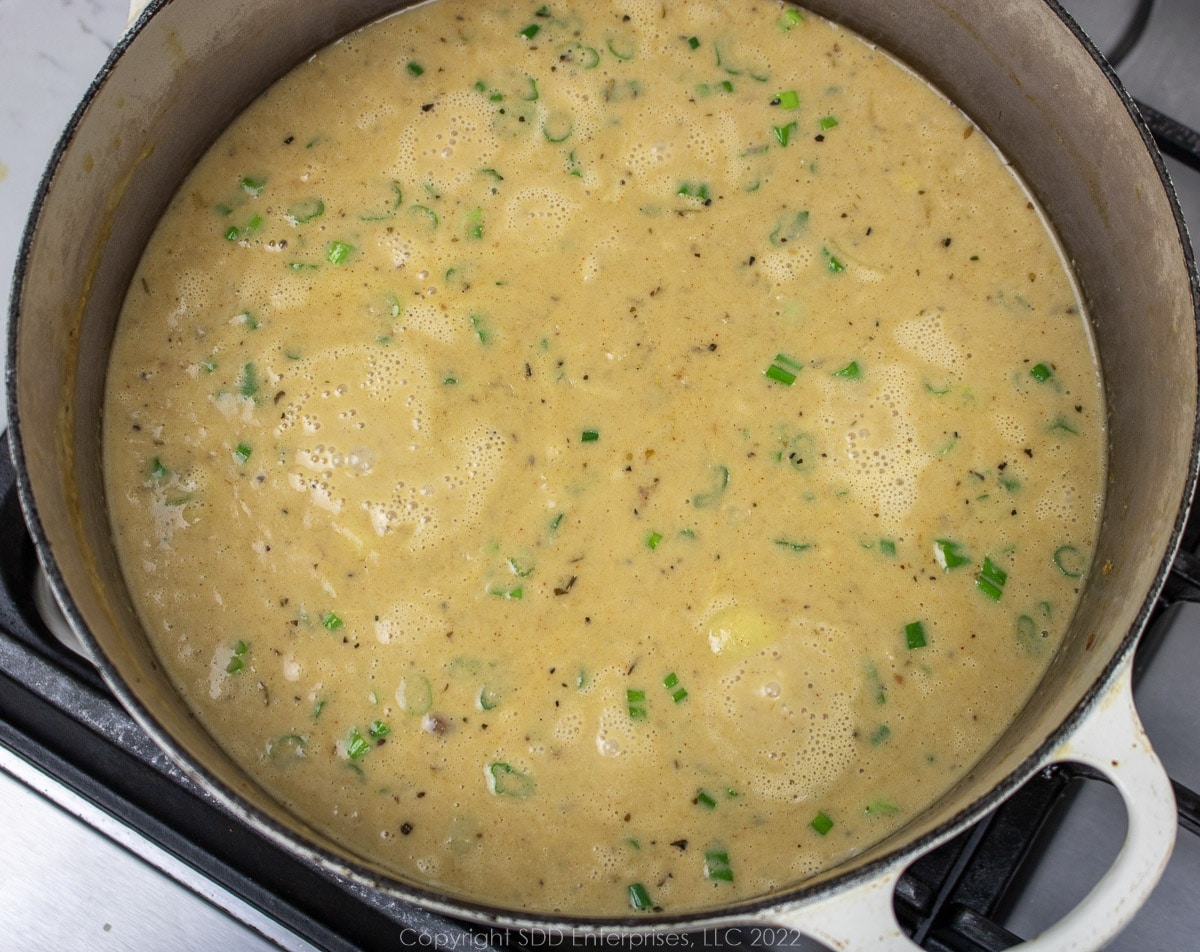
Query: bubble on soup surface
(539,215)
(882,459)
(925,337)
(405,622)
(785,716)
(432,320)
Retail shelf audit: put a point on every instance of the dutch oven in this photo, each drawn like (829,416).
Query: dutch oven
(1023,73)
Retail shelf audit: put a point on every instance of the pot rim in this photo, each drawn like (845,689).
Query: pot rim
(493,916)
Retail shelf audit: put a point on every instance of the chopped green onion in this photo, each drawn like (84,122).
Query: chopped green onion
(414,695)
(481,331)
(948,554)
(415,68)
(338,252)
(504,780)
(625,53)
(331,621)
(821,823)
(488,698)
(914,635)
(429,213)
(318,708)
(159,471)
(705,800)
(249,381)
(208,366)
(253,185)
(509,594)
(1070,561)
(378,730)
(557,128)
(789,227)
(878,688)
(653,539)
(475,224)
(693,42)
(788,99)
(793,546)
(833,264)
(533,91)
(716,866)
(530,31)
(783,370)
(783,134)
(720,483)
(238,660)
(232,234)
(887,547)
(1040,372)
(882,733)
(1061,423)
(696,190)
(639,898)
(242,452)
(635,700)
(357,746)
(671,683)
(589,436)
(519,569)
(828,122)
(287,750)
(726,85)
(850,371)
(791,17)
(881,808)
(991,579)
(305,210)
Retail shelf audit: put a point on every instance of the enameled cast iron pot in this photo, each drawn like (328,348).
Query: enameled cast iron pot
(1018,68)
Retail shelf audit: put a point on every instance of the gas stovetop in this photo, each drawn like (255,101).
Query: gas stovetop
(109,845)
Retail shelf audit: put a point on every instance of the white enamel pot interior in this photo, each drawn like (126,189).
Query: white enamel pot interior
(1023,74)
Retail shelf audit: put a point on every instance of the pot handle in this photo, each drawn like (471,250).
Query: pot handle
(1109,739)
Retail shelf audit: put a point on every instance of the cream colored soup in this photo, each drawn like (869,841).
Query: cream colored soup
(591,457)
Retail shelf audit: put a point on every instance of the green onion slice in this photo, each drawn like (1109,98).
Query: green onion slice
(991,580)
(821,823)
(720,483)
(914,635)
(639,898)
(357,746)
(1070,561)
(948,554)
(504,780)
(716,865)
(338,252)
(414,695)
(788,99)
(783,370)
(305,210)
